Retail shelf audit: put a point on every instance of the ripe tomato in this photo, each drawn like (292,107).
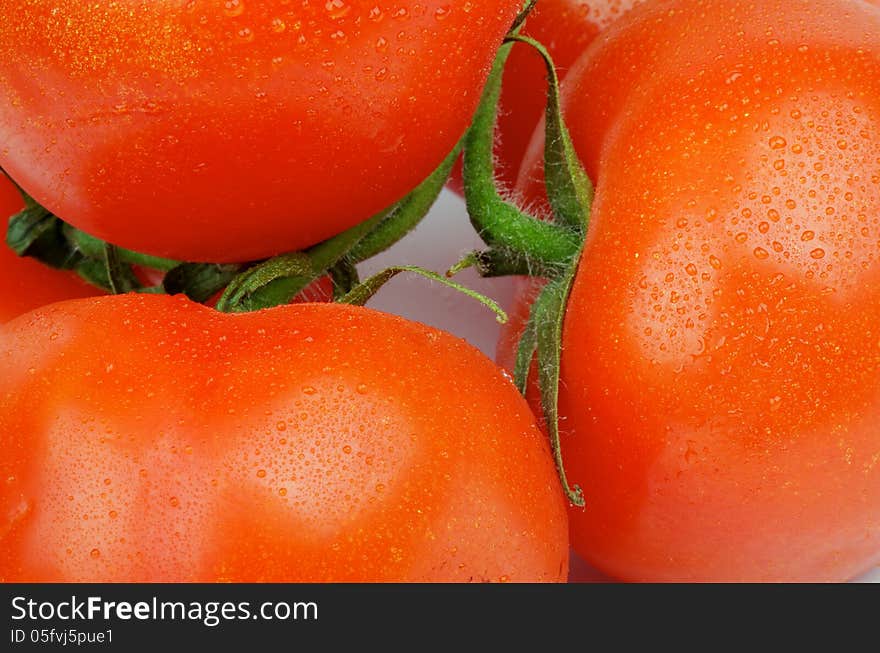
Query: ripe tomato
(720,390)
(148,438)
(24,283)
(566,28)
(232,131)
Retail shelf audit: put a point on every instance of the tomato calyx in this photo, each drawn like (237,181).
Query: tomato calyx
(35,232)
(245,287)
(523,244)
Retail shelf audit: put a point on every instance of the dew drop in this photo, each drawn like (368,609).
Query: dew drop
(337,9)
(233,8)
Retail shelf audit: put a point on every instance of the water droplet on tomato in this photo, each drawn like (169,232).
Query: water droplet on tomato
(337,9)
(778,142)
(233,8)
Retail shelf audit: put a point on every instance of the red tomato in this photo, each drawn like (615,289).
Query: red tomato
(148,438)
(232,131)
(720,389)
(566,28)
(26,284)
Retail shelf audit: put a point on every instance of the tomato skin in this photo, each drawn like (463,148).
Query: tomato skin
(26,284)
(566,28)
(235,131)
(720,388)
(148,438)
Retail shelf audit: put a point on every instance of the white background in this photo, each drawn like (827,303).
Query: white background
(439,242)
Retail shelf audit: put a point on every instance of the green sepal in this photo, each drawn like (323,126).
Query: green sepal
(36,233)
(92,247)
(278,280)
(366,290)
(271,283)
(345,278)
(527,348)
(522,15)
(499,223)
(494,262)
(569,189)
(120,277)
(94,272)
(404,216)
(199,281)
(548,317)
